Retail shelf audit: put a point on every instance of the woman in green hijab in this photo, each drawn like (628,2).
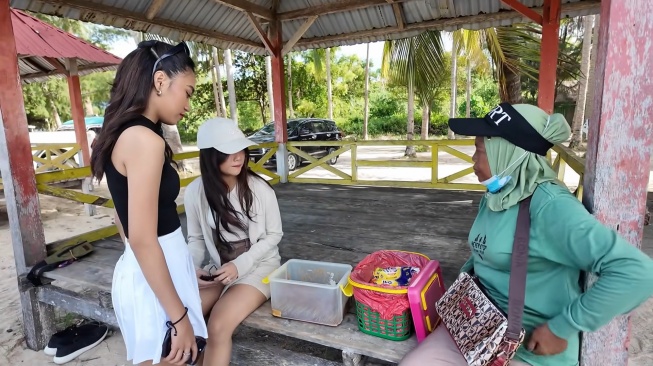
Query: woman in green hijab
(565,240)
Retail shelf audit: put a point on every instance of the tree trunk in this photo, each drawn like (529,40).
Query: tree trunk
(268,74)
(261,105)
(328,76)
(589,101)
(454,70)
(468,106)
(88,106)
(410,130)
(216,96)
(222,105)
(579,113)
(171,135)
(425,122)
(511,92)
(56,119)
(231,86)
(366,118)
(291,110)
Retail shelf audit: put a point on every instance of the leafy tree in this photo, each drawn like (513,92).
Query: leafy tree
(251,81)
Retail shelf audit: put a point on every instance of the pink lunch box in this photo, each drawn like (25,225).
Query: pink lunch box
(423,292)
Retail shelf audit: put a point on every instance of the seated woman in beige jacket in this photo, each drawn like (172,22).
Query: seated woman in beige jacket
(231,261)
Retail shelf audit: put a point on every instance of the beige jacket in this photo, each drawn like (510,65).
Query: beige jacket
(265,230)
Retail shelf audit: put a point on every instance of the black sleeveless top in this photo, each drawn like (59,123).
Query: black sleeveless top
(168,219)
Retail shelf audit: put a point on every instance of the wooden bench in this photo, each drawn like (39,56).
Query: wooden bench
(355,345)
(333,223)
(92,299)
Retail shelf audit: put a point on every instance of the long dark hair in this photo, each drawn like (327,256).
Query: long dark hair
(130,94)
(217,192)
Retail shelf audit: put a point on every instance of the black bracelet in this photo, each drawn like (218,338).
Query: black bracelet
(171,325)
(182,317)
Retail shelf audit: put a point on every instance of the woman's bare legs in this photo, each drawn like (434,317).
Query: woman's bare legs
(228,312)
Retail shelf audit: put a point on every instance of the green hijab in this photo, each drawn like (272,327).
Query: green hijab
(527,169)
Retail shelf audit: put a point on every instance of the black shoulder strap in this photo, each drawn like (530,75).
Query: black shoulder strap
(63,255)
(518,270)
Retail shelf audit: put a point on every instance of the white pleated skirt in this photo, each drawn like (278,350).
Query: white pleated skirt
(140,315)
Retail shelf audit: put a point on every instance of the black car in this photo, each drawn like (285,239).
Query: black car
(300,129)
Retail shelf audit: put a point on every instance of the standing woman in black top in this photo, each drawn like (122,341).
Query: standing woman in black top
(154,280)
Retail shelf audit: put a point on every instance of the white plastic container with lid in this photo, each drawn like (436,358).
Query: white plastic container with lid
(309,291)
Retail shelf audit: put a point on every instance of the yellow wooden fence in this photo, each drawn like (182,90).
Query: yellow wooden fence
(351,176)
(439,149)
(53,157)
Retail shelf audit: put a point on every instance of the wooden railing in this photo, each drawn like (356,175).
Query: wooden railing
(53,157)
(48,157)
(45,183)
(355,172)
(439,177)
(565,157)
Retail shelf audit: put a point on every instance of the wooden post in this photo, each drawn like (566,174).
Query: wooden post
(81,136)
(620,137)
(77,108)
(550,22)
(279,102)
(548,55)
(26,228)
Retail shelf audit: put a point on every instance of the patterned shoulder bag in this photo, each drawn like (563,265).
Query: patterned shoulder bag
(482,332)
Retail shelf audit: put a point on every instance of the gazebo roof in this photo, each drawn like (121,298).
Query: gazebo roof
(306,24)
(44,50)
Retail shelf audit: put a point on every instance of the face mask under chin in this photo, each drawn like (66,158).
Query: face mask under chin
(495,184)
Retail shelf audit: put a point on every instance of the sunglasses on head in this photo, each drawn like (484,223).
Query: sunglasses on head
(173,51)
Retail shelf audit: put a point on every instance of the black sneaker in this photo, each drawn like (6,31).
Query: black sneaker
(87,337)
(64,337)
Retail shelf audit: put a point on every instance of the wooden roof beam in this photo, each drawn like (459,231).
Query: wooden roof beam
(400,17)
(524,10)
(61,68)
(298,35)
(80,69)
(335,7)
(261,33)
(593,6)
(248,7)
(95,8)
(154,8)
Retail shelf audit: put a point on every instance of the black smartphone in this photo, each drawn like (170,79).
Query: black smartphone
(167,344)
(208,278)
(201,344)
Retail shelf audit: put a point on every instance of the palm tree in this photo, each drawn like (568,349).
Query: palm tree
(579,113)
(418,64)
(268,75)
(320,57)
(367,94)
(218,91)
(467,43)
(589,100)
(231,85)
(291,110)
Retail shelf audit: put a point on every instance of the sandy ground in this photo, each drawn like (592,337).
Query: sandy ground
(62,219)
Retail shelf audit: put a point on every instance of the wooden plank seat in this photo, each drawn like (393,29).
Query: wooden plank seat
(321,222)
(94,273)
